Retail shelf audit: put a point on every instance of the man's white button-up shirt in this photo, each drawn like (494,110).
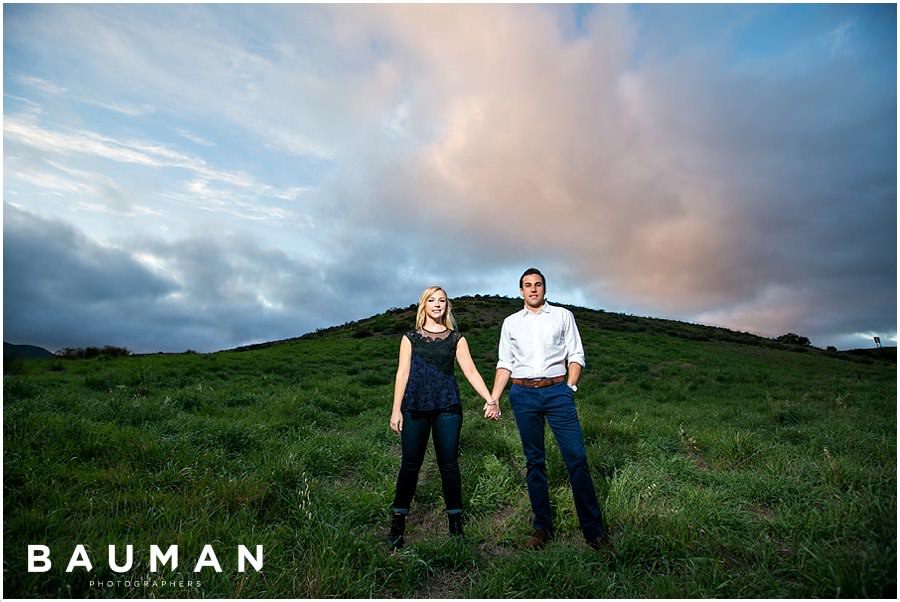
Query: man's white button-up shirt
(539,344)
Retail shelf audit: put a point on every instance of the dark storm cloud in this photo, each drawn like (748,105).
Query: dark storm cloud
(63,290)
(58,284)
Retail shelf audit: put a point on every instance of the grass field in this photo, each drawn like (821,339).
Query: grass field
(727,466)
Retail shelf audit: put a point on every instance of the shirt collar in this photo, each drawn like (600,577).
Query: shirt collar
(545,309)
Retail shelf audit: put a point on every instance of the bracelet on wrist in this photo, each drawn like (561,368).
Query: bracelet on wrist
(491,403)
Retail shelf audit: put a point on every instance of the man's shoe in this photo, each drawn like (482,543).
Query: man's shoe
(538,539)
(598,542)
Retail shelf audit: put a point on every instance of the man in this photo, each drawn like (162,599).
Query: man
(541,351)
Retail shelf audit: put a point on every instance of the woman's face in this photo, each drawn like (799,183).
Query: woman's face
(436,306)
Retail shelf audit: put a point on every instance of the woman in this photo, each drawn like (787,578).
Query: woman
(426,402)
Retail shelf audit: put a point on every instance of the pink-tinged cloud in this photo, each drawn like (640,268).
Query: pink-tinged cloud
(536,139)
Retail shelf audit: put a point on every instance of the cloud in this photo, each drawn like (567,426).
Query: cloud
(840,38)
(194,138)
(58,283)
(198,63)
(42,85)
(746,178)
(684,186)
(204,293)
(26,131)
(553,143)
(233,191)
(125,109)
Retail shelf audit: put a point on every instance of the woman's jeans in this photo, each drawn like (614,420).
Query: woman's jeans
(556,404)
(444,426)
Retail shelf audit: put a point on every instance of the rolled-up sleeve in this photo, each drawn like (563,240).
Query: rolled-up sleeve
(574,348)
(505,357)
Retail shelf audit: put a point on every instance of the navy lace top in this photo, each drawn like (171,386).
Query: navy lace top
(431,384)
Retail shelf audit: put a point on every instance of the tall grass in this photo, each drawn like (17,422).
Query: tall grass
(724,468)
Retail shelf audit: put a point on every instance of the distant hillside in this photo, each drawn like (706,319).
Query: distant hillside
(482,312)
(887,354)
(476,313)
(24,351)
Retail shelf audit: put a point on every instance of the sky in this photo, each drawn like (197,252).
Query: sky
(201,177)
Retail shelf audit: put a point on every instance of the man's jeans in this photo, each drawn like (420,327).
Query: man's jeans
(445,426)
(555,403)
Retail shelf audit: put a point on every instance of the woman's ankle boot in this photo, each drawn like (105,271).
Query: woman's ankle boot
(455,523)
(398,526)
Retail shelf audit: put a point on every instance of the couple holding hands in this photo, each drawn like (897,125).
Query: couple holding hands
(540,351)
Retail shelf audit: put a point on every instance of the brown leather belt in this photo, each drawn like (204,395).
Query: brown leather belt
(538,383)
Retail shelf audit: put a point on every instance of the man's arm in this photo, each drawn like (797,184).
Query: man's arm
(574,373)
(501,379)
(505,357)
(574,348)
(505,362)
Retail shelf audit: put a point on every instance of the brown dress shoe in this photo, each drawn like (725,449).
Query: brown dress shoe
(598,542)
(538,539)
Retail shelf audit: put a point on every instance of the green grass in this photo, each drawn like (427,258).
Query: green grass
(727,466)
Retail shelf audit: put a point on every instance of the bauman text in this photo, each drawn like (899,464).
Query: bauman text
(39,559)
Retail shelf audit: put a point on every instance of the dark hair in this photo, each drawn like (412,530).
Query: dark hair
(529,272)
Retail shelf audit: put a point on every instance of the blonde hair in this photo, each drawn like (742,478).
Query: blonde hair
(449,321)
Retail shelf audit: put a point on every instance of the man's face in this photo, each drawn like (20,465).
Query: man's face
(533,291)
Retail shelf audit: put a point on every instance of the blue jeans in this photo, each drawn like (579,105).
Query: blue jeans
(556,404)
(445,426)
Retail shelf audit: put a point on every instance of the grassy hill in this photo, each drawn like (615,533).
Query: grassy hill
(24,351)
(728,465)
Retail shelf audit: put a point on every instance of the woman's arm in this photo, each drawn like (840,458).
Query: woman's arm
(400,380)
(464,358)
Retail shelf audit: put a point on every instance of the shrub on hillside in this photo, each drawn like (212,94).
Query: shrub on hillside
(793,339)
(83,353)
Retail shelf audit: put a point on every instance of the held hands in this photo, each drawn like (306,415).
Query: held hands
(397,422)
(492,410)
